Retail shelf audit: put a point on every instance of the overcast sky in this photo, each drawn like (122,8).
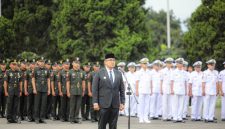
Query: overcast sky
(182,8)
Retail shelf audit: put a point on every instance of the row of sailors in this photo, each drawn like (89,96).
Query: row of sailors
(166,91)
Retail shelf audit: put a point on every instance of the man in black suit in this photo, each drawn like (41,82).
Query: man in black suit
(108,93)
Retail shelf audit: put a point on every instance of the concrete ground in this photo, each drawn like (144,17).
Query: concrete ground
(122,124)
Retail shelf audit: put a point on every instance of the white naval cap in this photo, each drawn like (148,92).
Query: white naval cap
(150,65)
(131,64)
(179,61)
(144,61)
(224,62)
(137,65)
(169,60)
(121,64)
(197,63)
(157,62)
(212,61)
(185,63)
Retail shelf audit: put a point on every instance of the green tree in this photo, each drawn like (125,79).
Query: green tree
(206,36)
(88,29)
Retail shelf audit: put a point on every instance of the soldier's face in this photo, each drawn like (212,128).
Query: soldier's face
(23,66)
(86,68)
(211,66)
(198,68)
(76,66)
(41,64)
(169,65)
(131,69)
(13,66)
(110,63)
(96,68)
(3,67)
(144,66)
(156,67)
(179,66)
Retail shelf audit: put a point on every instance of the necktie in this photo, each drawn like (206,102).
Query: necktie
(110,76)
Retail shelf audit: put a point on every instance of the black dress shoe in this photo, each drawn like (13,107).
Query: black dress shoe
(77,121)
(206,121)
(185,119)
(42,121)
(223,119)
(37,121)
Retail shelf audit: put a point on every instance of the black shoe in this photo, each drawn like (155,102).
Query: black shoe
(175,121)
(77,121)
(11,121)
(223,119)
(193,120)
(72,122)
(198,120)
(185,119)
(42,121)
(212,121)
(214,118)
(37,121)
(96,120)
(168,119)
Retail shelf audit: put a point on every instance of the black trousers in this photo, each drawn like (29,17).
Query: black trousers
(55,106)
(3,100)
(94,113)
(75,102)
(12,107)
(85,106)
(30,106)
(65,107)
(49,106)
(22,106)
(108,115)
(40,105)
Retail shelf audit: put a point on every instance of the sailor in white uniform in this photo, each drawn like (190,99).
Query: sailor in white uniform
(165,84)
(155,90)
(195,91)
(210,87)
(186,99)
(143,91)
(131,78)
(178,90)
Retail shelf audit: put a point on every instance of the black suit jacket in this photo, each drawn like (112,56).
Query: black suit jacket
(105,93)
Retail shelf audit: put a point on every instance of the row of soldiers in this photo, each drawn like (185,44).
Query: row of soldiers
(164,88)
(36,90)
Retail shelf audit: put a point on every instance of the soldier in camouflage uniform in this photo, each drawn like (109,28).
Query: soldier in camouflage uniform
(94,114)
(48,65)
(85,105)
(41,89)
(75,90)
(64,108)
(55,92)
(13,87)
(2,96)
(22,106)
(28,89)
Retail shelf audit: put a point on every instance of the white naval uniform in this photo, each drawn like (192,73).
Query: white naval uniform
(186,98)
(155,104)
(125,84)
(197,99)
(210,78)
(222,79)
(143,78)
(131,78)
(179,86)
(166,97)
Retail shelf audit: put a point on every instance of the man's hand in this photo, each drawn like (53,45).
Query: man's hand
(60,94)
(96,106)
(35,91)
(6,94)
(53,93)
(49,92)
(68,94)
(121,107)
(90,94)
(26,93)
